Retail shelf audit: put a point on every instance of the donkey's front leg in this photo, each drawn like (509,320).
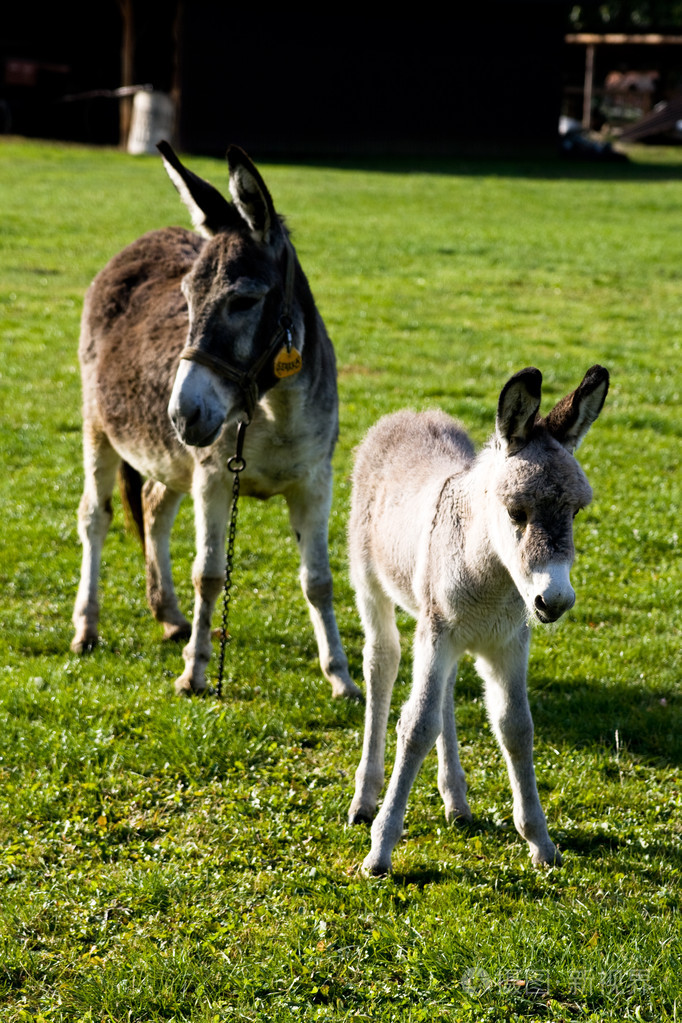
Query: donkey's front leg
(208,575)
(309,508)
(94,518)
(504,673)
(419,726)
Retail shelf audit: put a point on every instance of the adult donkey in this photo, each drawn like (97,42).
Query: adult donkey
(474,548)
(184,337)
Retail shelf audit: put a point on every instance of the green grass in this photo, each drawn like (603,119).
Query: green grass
(165,860)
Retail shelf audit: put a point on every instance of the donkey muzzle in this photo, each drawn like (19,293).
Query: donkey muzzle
(554,594)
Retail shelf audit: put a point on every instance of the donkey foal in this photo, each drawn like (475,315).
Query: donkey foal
(475,548)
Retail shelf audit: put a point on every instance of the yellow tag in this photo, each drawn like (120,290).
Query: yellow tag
(287,363)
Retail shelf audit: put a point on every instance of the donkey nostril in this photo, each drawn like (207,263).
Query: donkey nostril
(194,418)
(540,605)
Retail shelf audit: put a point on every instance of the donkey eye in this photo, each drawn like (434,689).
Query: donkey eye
(242,303)
(518,516)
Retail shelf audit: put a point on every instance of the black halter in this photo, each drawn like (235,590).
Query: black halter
(246,379)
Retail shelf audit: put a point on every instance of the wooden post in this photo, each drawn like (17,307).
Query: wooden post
(127,69)
(589,84)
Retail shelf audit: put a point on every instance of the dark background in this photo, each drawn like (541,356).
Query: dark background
(487,77)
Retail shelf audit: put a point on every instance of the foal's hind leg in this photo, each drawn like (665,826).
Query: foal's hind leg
(100,463)
(451,781)
(160,506)
(420,724)
(381,657)
(309,516)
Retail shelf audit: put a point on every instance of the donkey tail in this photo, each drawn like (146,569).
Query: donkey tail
(130,484)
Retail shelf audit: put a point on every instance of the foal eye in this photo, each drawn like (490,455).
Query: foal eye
(242,304)
(518,516)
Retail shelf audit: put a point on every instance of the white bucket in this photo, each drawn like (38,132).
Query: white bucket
(152,121)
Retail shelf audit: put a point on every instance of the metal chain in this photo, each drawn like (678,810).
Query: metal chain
(236,465)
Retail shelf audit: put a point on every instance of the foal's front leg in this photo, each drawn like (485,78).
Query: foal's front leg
(504,673)
(209,491)
(309,507)
(419,726)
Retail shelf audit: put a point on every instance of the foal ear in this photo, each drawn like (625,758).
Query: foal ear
(517,408)
(251,196)
(569,421)
(210,212)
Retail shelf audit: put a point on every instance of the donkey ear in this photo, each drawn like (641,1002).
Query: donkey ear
(209,211)
(251,196)
(517,408)
(569,421)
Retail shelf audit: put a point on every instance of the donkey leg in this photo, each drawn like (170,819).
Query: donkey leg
(160,506)
(451,781)
(208,576)
(100,463)
(381,657)
(309,516)
(506,697)
(420,724)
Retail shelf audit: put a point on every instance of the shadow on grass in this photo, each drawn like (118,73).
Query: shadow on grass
(616,717)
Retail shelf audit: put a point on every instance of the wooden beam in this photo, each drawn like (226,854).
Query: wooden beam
(619,38)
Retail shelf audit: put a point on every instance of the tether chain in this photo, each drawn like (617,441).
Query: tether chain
(236,465)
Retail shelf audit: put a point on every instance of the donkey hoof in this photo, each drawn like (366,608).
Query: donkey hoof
(84,644)
(184,686)
(175,632)
(344,689)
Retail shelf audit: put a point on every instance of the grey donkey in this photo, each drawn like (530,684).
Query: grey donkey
(476,548)
(186,335)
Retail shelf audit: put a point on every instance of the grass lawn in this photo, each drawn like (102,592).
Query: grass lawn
(167,860)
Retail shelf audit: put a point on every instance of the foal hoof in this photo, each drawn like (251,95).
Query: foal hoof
(547,859)
(375,868)
(360,816)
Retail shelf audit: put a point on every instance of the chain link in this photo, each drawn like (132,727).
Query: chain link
(236,465)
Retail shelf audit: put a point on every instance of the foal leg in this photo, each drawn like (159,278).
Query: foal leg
(420,724)
(309,509)
(381,657)
(208,575)
(100,463)
(506,698)
(451,781)
(160,506)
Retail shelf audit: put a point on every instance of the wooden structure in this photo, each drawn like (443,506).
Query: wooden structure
(591,40)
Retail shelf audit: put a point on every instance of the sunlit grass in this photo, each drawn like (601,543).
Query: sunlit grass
(178,860)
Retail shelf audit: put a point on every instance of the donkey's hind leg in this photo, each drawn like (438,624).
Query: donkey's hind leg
(160,506)
(451,781)
(381,657)
(100,463)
